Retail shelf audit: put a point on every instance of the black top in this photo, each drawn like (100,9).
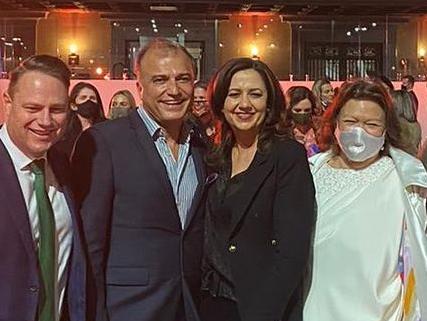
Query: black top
(217,276)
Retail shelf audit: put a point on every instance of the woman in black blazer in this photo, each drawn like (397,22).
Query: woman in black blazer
(260,209)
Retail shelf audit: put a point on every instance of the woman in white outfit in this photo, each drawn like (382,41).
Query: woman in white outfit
(370,249)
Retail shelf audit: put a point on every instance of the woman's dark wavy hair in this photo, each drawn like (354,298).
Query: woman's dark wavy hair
(361,90)
(273,125)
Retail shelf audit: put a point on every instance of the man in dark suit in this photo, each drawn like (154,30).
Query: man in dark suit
(408,83)
(140,181)
(42,270)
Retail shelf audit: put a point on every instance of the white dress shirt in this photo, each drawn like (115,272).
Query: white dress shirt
(63,222)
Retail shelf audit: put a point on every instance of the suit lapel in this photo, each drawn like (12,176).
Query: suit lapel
(197,154)
(13,199)
(258,173)
(151,156)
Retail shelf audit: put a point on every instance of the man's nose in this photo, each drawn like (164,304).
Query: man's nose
(45,118)
(172,88)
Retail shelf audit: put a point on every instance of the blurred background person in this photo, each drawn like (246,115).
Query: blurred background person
(324,93)
(369,259)
(121,104)
(260,209)
(408,83)
(300,117)
(202,115)
(410,129)
(86,110)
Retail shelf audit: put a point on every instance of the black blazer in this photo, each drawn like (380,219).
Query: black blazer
(145,265)
(266,242)
(19,269)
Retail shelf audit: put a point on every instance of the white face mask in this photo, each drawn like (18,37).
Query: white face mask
(357,144)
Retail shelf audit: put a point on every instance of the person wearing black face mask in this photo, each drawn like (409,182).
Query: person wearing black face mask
(86,110)
(299,117)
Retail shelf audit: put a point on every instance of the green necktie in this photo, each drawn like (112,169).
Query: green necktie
(46,250)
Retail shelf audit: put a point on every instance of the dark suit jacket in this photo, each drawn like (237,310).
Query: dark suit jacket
(145,265)
(265,237)
(19,271)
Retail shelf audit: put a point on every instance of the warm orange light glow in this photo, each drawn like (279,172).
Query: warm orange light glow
(422,52)
(73,48)
(99,71)
(254,51)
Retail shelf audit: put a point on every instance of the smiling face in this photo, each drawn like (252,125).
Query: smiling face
(167,81)
(362,113)
(36,112)
(246,103)
(200,103)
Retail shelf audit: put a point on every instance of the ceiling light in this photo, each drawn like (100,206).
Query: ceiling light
(153,21)
(185,31)
(221,44)
(155,30)
(349,33)
(374,24)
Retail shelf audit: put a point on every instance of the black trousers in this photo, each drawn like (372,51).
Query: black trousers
(218,309)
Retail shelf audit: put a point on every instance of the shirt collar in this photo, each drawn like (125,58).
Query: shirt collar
(20,160)
(156,131)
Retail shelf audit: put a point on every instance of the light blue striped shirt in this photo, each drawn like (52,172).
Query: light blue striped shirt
(182,172)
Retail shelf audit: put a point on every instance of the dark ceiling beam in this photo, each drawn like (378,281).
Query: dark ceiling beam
(415,8)
(114,6)
(343,19)
(22,15)
(122,16)
(387,3)
(12,4)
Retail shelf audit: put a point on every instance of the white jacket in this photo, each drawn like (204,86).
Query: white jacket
(412,174)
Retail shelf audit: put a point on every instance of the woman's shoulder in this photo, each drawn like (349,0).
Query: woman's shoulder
(288,146)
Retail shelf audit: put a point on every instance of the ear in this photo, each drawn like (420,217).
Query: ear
(7,100)
(139,89)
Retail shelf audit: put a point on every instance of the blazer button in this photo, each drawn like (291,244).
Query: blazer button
(273,242)
(33,289)
(232,248)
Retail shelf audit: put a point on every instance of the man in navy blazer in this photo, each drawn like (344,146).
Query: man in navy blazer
(36,105)
(140,181)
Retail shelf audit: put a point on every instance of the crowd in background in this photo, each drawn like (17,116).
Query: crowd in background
(303,112)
